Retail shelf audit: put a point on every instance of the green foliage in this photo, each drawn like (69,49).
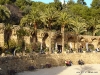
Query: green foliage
(26,9)
(56,4)
(22,32)
(70,2)
(64,18)
(95,4)
(21,3)
(81,2)
(94,26)
(39,5)
(49,17)
(2,2)
(12,43)
(53,16)
(4,13)
(76,9)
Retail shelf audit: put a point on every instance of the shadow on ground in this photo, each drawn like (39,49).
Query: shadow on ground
(84,69)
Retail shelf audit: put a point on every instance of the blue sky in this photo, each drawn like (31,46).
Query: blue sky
(47,1)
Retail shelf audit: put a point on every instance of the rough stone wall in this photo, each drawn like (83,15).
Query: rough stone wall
(21,63)
(95,40)
(1,34)
(91,40)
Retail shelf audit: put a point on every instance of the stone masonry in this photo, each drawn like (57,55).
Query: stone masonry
(21,63)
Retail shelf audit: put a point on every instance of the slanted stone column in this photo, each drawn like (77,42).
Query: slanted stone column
(27,38)
(14,35)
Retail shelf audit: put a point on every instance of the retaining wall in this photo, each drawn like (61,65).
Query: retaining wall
(21,63)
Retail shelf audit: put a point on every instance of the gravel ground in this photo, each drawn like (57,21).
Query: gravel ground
(87,69)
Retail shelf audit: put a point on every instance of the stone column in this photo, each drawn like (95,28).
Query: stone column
(1,34)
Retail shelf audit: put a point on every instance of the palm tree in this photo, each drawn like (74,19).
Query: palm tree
(32,20)
(4,16)
(64,18)
(49,17)
(79,26)
(4,13)
(21,32)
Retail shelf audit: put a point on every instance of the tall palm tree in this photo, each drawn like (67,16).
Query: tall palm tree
(49,17)
(32,20)
(64,18)
(79,26)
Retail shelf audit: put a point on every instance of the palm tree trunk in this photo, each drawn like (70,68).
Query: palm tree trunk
(74,44)
(50,41)
(77,42)
(62,31)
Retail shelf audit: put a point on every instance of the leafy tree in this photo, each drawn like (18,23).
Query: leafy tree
(39,6)
(57,4)
(81,2)
(70,2)
(93,26)
(80,10)
(95,4)
(86,13)
(95,13)
(23,3)
(75,10)
(2,2)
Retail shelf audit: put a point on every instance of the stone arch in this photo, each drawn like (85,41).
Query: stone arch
(58,40)
(71,38)
(45,36)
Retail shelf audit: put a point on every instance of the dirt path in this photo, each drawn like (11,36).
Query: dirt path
(88,69)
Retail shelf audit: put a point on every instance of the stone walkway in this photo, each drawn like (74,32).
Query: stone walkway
(88,69)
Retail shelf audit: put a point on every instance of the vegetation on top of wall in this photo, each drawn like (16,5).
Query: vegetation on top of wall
(73,17)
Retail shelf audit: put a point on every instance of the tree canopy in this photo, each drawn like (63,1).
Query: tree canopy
(27,12)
